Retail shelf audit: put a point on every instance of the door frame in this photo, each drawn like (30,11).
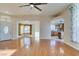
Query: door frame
(24,25)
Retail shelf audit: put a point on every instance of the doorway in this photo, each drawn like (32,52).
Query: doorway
(25,29)
(57,28)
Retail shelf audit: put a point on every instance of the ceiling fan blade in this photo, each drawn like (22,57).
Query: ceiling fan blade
(24,5)
(37,8)
(39,3)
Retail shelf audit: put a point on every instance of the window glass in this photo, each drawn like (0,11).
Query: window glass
(27,29)
(6,29)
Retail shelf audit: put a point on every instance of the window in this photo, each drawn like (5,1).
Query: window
(5,29)
(26,29)
(53,27)
(75,22)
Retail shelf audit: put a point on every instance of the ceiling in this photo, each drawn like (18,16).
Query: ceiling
(49,9)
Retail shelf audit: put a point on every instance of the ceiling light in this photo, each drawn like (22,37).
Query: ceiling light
(32,5)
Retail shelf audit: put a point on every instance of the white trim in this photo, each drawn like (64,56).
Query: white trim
(72,46)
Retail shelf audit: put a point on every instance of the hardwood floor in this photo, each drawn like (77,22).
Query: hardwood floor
(44,47)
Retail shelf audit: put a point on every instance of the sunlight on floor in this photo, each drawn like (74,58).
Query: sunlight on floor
(7,52)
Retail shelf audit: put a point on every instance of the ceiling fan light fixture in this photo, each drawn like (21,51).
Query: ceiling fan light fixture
(32,5)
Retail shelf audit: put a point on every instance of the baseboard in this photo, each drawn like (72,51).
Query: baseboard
(5,40)
(45,39)
(71,46)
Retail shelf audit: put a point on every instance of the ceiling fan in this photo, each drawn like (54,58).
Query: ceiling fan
(34,5)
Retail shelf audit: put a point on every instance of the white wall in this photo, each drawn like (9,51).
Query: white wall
(44,26)
(45,30)
(14,28)
(35,26)
(67,29)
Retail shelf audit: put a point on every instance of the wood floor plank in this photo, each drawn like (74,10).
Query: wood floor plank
(45,47)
